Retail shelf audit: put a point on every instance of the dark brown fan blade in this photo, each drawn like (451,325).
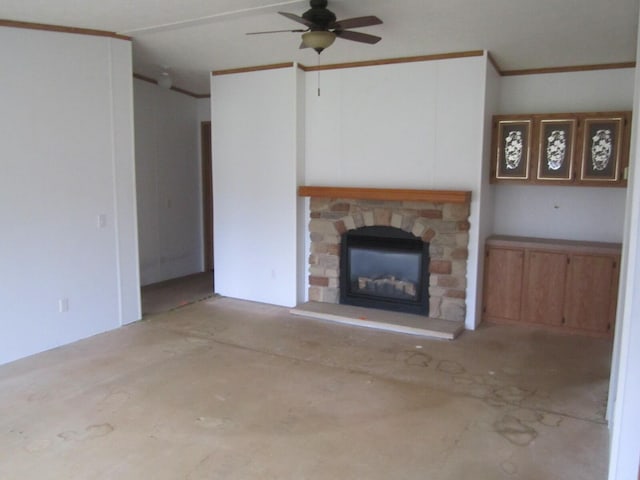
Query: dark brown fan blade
(358,37)
(296,18)
(299,30)
(356,22)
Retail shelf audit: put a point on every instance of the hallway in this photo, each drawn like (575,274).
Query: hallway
(175,293)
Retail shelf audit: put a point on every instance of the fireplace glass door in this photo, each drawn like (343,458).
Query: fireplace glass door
(385,267)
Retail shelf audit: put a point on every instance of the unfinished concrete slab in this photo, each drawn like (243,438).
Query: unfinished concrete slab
(226,389)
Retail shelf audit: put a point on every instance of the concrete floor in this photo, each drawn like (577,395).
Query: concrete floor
(225,389)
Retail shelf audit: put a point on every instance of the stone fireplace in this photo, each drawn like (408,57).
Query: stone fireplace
(438,217)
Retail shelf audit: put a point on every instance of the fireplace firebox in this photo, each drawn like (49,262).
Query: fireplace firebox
(384,267)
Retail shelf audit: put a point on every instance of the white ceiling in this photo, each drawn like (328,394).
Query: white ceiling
(194,37)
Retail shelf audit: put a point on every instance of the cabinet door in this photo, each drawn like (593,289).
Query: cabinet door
(543,300)
(592,283)
(503,283)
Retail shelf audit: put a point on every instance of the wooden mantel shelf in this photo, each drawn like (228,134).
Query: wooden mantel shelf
(401,195)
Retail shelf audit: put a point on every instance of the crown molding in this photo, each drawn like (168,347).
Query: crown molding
(368,63)
(144,78)
(574,68)
(427,58)
(391,61)
(62,29)
(273,66)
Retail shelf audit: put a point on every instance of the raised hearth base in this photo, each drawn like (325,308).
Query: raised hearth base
(381,320)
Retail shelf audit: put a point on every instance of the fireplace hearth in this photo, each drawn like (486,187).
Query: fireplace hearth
(438,219)
(384,267)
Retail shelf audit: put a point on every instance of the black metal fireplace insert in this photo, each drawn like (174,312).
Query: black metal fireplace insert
(386,268)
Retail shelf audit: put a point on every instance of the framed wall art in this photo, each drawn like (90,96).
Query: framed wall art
(556,145)
(601,147)
(512,149)
(588,149)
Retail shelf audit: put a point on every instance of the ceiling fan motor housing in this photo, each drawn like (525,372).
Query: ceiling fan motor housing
(319,15)
(322,27)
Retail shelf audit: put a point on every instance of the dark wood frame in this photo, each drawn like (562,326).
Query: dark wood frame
(502,129)
(565,172)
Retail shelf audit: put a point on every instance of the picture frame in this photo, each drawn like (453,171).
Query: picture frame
(512,149)
(555,150)
(527,149)
(602,139)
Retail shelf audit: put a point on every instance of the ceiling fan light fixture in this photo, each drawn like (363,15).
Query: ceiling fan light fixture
(165,80)
(318,39)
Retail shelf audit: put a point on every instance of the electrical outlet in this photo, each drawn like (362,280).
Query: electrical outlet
(102,220)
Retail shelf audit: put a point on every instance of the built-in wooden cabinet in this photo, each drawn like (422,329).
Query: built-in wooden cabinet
(505,271)
(576,149)
(564,285)
(544,286)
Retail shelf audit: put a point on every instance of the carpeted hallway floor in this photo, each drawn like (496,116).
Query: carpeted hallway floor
(226,389)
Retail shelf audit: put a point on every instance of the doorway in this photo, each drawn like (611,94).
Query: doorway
(207,195)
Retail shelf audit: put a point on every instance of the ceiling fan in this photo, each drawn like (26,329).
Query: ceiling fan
(323,28)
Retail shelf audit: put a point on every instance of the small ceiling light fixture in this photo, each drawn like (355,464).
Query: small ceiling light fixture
(165,80)
(318,39)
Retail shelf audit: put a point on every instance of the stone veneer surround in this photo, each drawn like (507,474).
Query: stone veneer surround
(444,225)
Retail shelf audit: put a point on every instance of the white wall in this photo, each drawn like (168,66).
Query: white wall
(168,167)
(67,191)
(485,193)
(413,125)
(303,238)
(624,389)
(418,125)
(254,185)
(625,451)
(124,182)
(410,125)
(588,91)
(204,109)
(580,213)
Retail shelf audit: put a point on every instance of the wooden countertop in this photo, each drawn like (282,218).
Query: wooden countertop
(578,246)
